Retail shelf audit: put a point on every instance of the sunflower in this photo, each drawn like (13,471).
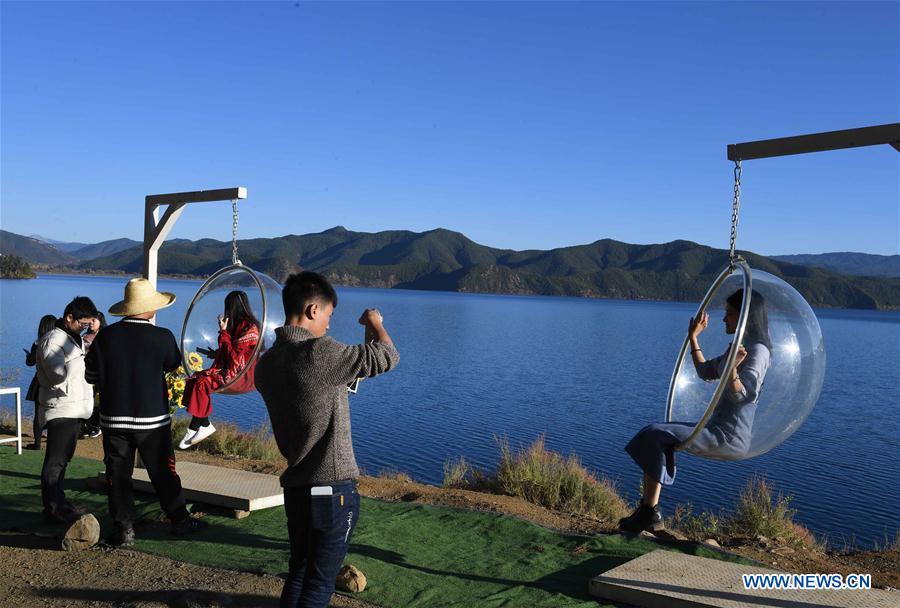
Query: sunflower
(174,390)
(195,361)
(180,370)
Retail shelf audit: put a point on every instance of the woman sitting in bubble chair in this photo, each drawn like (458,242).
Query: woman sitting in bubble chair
(728,431)
(238,337)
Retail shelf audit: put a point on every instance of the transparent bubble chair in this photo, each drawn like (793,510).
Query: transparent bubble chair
(796,366)
(260,302)
(782,324)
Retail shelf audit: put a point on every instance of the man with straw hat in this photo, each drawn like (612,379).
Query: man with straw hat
(127,362)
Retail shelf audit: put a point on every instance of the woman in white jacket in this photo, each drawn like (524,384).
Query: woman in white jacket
(67,399)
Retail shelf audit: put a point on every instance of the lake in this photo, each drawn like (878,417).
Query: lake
(584,373)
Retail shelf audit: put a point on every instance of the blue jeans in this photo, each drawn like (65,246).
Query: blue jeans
(319,528)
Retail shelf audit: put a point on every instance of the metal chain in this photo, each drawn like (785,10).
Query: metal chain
(234,227)
(735,208)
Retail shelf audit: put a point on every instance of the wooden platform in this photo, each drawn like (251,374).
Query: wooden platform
(232,489)
(665,579)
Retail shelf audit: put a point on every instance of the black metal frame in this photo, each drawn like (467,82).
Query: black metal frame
(817,142)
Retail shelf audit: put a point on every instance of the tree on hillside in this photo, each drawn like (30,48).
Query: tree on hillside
(279,268)
(14,267)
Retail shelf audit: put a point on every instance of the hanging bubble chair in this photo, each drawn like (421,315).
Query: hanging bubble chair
(256,298)
(796,369)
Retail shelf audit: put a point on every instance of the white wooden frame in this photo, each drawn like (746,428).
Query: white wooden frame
(156,229)
(18,438)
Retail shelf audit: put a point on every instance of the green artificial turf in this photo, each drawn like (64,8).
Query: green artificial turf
(412,555)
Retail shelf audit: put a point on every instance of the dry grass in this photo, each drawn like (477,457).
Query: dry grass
(8,377)
(888,544)
(544,478)
(698,527)
(457,474)
(395,475)
(230,441)
(8,422)
(757,512)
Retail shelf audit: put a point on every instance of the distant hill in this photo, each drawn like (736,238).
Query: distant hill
(860,264)
(33,250)
(61,245)
(85,251)
(449,261)
(99,250)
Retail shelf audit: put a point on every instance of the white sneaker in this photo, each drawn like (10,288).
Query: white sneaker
(185,442)
(201,434)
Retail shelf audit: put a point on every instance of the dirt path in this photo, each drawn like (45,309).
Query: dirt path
(35,573)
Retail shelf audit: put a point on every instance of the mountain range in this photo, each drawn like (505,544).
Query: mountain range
(444,260)
(847,262)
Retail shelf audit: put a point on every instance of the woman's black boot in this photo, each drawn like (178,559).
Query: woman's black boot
(643,518)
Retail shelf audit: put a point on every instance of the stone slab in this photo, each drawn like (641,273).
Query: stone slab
(220,487)
(666,579)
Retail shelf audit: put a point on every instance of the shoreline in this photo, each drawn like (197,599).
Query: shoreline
(179,277)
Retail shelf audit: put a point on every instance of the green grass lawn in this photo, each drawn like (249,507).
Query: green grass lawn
(412,555)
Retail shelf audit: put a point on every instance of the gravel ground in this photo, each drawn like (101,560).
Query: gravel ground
(33,572)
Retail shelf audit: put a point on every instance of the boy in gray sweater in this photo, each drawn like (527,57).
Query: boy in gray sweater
(303,379)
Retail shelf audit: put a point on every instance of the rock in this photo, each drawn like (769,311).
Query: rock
(82,534)
(782,551)
(351,579)
(665,534)
(711,542)
(763,540)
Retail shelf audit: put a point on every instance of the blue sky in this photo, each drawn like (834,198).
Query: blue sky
(522,125)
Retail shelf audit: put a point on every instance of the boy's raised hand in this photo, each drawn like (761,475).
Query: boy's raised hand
(375,330)
(371,317)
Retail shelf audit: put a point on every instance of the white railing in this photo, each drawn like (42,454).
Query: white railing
(18,438)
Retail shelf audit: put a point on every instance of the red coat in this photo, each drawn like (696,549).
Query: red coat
(234,354)
(235,350)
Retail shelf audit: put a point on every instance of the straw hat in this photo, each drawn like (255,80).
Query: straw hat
(140,296)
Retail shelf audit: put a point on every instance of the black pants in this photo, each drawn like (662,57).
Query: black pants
(94,421)
(155,448)
(62,435)
(196,423)
(91,423)
(39,423)
(319,528)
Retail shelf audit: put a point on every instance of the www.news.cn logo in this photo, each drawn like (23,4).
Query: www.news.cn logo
(806,581)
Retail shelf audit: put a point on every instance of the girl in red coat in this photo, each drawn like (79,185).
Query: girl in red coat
(238,336)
